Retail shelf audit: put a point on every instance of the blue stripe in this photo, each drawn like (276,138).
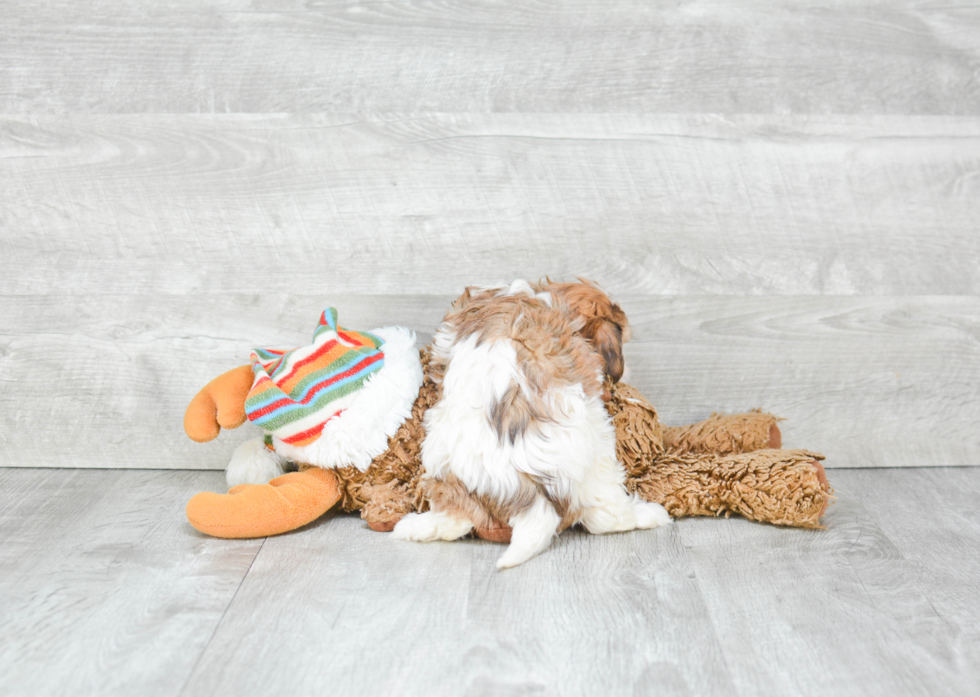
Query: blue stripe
(310,407)
(328,321)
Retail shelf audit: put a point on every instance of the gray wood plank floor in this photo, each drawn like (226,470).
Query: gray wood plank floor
(107,590)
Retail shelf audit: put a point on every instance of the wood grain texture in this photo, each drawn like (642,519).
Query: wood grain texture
(932,518)
(740,205)
(104,381)
(770,56)
(105,588)
(381,616)
(860,615)
(870,381)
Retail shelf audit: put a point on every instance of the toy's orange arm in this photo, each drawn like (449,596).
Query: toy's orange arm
(259,510)
(221,404)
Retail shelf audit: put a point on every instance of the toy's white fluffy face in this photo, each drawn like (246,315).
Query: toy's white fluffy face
(520,434)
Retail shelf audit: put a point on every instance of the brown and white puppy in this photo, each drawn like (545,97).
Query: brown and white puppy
(520,433)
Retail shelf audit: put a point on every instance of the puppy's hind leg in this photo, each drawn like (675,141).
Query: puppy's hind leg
(533,529)
(606,507)
(431,526)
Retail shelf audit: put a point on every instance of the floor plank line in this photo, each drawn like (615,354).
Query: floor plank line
(217,626)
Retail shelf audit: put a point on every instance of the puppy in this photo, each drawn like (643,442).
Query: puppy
(520,433)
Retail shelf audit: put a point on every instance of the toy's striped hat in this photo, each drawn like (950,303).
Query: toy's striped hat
(295,393)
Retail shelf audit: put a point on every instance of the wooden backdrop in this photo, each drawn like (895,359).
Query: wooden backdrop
(785,197)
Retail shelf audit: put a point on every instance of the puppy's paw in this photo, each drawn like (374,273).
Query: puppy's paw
(417,527)
(650,515)
(627,513)
(431,526)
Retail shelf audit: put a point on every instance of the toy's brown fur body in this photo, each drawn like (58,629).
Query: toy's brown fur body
(719,466)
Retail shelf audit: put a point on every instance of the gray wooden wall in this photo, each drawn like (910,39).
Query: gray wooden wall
(784,195)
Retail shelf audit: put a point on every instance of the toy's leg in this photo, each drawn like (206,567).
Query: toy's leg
(723,434)
(259,510)
(386,504)
(220,404)
(784,487)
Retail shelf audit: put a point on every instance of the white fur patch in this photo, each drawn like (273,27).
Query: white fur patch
(461,440)
(360,433)
(518,287)
(522,287)
(253,463)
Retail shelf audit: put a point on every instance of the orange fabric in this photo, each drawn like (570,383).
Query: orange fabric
(220,404)
(260,510)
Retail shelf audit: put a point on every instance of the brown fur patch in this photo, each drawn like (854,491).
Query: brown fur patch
(550,344)
(450,495)
(551,353)
(607,337)
(513,414)
(604,324)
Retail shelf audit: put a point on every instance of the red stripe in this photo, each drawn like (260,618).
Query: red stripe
(354,340)
(269,408)
(319,352)
(326,383)
(312,433)
(315,431)
(340,376)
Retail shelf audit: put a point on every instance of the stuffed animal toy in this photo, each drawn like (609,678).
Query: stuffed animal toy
(336,438)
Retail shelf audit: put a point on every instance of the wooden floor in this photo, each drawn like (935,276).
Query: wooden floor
(107,590)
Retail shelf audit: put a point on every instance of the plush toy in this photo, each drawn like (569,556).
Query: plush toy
(355,442)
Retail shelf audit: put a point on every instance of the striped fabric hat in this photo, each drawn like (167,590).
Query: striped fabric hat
(295,393)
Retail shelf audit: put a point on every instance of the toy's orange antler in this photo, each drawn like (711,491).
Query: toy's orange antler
(221,404)
(250,510)
(259,510)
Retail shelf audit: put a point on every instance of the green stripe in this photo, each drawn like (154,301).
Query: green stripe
(322,400)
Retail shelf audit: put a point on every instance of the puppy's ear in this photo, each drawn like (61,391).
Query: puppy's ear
(607,337)
(463,300)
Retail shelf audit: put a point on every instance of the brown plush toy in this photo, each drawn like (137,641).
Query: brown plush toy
(724,465)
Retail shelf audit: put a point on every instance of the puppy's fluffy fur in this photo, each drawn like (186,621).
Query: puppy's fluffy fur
(520,433)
